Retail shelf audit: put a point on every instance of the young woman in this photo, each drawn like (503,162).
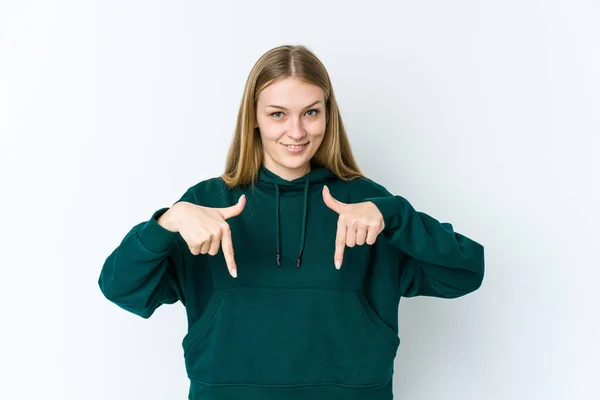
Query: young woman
(290,265)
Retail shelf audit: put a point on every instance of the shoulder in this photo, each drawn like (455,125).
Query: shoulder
(204,191)
(364,187)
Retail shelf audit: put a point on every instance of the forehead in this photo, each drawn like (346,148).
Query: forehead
(290,92)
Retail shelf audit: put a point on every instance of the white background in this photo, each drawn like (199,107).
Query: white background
(485,114)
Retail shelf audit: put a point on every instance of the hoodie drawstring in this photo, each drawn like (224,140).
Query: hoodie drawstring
(304,217)
(277,223)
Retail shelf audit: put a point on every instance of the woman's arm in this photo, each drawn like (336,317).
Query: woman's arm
(436,261)
(142,273)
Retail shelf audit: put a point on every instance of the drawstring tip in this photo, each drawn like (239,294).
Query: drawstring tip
(299,261)
(278,258)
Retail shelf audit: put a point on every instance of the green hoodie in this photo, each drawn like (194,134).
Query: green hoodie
(292,326)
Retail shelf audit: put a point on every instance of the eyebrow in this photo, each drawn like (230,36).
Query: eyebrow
(283,108)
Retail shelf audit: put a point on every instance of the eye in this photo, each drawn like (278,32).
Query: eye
(314,110)
(277,114)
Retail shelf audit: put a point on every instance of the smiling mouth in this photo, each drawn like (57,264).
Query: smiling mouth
(295,146)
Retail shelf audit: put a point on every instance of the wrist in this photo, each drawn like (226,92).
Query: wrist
(167,220)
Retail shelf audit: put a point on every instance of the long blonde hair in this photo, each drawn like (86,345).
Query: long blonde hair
(246,154)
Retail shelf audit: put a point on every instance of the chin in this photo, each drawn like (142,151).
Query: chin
(295,162)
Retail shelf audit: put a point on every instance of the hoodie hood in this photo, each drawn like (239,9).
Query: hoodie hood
(273,183)
(268,180)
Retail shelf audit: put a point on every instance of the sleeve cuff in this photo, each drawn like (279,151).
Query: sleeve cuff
(153,236)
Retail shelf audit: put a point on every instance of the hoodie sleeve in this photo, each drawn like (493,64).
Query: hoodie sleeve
(141,274)
(436,261)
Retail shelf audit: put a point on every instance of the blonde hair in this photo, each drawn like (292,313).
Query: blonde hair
(245,153)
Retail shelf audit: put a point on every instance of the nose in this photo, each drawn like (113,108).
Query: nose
(296,130)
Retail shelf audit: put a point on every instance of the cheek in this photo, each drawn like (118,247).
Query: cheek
(317,130)
(268,131)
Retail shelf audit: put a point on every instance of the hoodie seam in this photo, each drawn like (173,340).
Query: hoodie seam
(292,385)
(286,288)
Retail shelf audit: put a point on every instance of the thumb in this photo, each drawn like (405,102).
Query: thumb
(235,210)
(330,202)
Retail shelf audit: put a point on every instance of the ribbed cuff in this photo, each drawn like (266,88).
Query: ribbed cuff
(153,236)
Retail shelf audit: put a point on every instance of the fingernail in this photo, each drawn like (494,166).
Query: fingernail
(338,264)
(240,199)
(234,272)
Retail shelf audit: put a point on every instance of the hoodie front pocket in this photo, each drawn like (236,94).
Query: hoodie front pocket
(286,336)
(197,330)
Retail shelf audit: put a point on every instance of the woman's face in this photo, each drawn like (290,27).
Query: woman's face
(291,116)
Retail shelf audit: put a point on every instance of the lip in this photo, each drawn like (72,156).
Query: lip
(295,151)
(294,144)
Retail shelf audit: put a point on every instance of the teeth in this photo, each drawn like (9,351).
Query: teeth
(294,146)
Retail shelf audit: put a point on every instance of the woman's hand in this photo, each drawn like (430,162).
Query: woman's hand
(357,223)
(204,229)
